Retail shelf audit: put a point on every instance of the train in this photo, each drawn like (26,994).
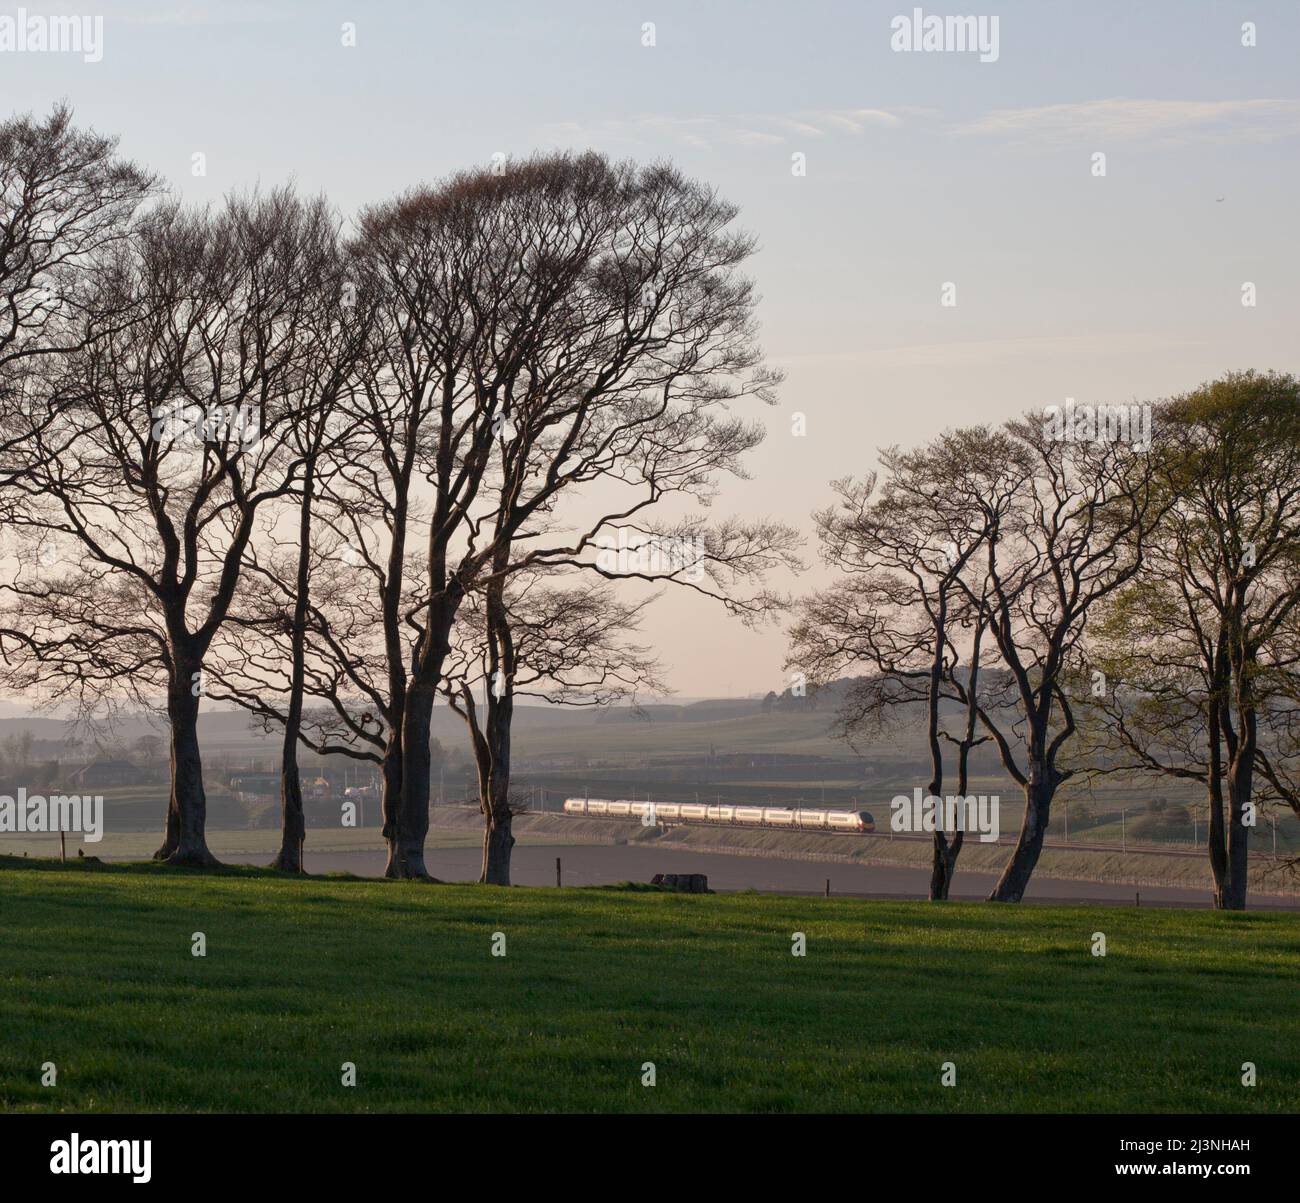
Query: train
(744,816)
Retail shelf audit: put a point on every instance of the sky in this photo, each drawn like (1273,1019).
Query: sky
(922,169)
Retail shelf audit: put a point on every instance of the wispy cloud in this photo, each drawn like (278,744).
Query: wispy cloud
(737,129)
(1117,119)
(1124,119)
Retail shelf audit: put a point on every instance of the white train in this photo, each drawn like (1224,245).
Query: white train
(747,816)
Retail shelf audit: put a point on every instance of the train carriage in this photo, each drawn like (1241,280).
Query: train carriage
(788,818)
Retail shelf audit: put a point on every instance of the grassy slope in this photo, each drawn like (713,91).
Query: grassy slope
(96,974)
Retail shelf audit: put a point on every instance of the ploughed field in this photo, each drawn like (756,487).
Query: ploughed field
(399,979)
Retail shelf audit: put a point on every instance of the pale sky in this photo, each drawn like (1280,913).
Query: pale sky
(921,169)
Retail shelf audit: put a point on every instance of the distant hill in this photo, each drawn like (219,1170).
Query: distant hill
(788,728)
(783,749)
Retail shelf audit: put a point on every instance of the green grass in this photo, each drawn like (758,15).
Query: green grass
(96,975)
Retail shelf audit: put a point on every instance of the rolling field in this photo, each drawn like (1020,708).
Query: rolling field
(301,976)
(729,750)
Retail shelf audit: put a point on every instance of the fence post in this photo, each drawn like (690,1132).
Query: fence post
(557,873)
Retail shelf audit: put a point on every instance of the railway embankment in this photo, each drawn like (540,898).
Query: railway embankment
(1138,867)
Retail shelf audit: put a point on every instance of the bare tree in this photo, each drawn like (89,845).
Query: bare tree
(172,427)
(533,638)
(1076,533)
(66,200)
(907,610)
(564,322)
(321,432)
(344,709)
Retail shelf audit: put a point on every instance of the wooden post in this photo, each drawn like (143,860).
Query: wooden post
(301,867)
(63,848)
(1139,897)
(828,887)
(557,872)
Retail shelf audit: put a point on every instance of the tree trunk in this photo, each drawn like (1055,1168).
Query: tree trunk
(1240,786)
(390,784)
(497,843)
(1234,890)
(1215,842)
(943,864)
(1039,791)
(186,841)
(390,799)
(495,791)
(490,738)
(1242,740)
(940,866)
(172,823)
(411,820)
(293,824)
(409,827)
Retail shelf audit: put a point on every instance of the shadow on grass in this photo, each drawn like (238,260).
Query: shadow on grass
(92,864)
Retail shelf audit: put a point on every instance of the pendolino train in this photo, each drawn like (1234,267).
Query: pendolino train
(743,816)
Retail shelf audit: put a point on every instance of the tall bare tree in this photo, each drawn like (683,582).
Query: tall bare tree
(562,323)
(1075,535)
(907,610)
(277,589)
(172,427)
(535,638)
(66,199)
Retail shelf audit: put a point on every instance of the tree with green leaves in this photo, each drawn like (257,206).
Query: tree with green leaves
(1199,653)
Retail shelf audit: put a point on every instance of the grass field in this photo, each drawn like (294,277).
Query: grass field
(258,841)
(97,976)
